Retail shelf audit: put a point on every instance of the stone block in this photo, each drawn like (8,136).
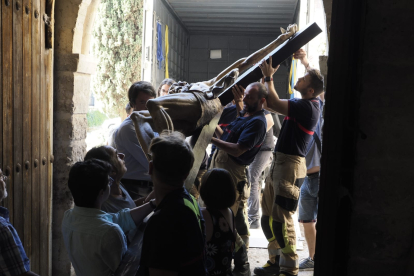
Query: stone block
(63,92)
(81,94)
(80,126)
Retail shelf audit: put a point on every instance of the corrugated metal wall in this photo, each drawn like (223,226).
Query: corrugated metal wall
(178,46)
(202,68)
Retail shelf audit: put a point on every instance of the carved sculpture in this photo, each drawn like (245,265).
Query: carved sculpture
(188,107)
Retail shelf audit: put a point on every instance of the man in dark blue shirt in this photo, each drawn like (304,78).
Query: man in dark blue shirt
(237,145)
(280,198)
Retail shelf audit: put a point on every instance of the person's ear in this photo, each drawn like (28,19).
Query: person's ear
(311,91)
(113,174)
(262,101)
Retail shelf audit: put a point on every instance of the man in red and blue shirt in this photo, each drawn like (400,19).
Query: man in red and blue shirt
(280,198)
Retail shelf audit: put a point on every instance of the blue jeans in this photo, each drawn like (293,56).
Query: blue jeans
(308,200)
(260,162)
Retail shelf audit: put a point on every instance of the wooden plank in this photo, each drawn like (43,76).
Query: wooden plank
(44,164)
(7,63)
(27,126)
(49,132)
(17,116)
(36,159)
(50,4)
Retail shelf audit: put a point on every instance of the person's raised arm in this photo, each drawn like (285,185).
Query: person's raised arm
(238,94)
(274,103)
(269,121)
(302,56)
(139,213)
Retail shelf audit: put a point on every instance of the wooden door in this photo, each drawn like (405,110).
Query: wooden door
(25,123)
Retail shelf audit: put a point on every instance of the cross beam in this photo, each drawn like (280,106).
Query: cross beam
(279,54)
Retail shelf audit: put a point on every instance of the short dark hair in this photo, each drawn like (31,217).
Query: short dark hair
(217,189)
(137,87)
(86,179)
(100,153)
(172,157)
(165,81)
(261,89)
(316,81)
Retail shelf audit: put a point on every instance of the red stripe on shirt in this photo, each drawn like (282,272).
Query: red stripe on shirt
(300,126)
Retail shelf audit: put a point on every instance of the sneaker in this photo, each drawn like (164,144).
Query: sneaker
(268,269)
(243,270)
(307,264)
(255,224)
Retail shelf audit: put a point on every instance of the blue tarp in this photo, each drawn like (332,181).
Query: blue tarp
(160,55)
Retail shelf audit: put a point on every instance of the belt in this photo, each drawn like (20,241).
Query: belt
(313,175)
(141,183)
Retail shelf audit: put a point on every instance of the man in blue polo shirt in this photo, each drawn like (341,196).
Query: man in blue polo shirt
(280,198)
(237,145)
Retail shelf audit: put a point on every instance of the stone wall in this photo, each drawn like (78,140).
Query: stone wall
(366,211)
(327,4)
(72,73)
(382,223)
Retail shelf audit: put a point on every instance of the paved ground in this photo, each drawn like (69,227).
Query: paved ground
(258,257)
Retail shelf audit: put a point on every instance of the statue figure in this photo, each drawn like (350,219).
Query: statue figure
(188,107)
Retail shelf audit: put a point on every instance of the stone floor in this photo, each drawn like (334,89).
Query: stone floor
(258,256)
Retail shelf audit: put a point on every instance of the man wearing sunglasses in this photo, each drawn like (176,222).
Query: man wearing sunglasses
(95,240)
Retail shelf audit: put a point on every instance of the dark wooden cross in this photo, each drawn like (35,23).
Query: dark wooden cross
(284,51)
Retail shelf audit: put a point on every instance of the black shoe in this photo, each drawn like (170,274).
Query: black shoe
(243,270)
(255,224)
(268,269)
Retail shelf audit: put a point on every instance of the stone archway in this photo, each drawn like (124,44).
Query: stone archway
(73,68)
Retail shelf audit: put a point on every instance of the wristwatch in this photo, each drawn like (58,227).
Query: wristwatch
(267,79)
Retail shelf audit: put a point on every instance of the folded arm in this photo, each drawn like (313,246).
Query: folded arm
(231,148)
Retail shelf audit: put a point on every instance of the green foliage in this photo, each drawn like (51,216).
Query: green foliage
(95,118)
(117,46)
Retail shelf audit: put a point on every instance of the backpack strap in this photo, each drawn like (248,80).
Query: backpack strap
(193,206)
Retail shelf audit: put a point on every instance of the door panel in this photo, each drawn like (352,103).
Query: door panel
(26,116)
